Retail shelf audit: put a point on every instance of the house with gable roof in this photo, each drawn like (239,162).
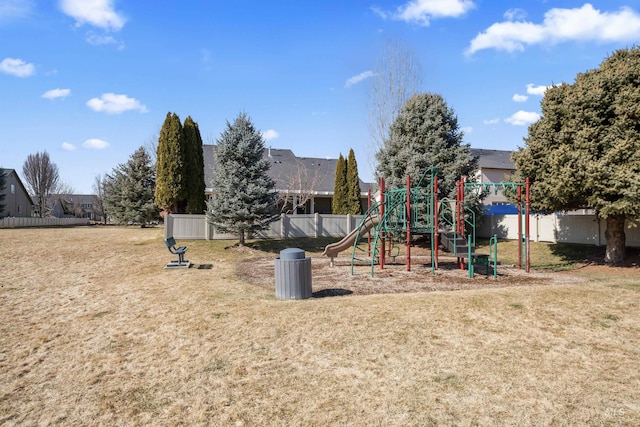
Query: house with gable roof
(305,184)
(17,202)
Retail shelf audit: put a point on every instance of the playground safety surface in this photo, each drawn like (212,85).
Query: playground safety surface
(337,280)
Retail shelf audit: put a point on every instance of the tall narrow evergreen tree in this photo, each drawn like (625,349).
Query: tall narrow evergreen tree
(193,168)
(354,206)
(170,189)
(129,189)
(244,200)
(339,205)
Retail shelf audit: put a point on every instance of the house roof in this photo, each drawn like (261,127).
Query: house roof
(286,166)
(493,159)
(12,172)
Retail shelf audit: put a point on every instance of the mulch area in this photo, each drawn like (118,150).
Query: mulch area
(337,280)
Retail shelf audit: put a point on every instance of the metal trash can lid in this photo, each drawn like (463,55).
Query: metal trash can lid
(292,253)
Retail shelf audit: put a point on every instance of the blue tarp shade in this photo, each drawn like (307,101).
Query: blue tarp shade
(501,210)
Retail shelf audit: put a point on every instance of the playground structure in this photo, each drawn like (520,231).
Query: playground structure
(447,222)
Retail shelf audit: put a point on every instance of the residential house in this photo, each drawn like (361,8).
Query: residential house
(304,184)
(76,206)
(17,202)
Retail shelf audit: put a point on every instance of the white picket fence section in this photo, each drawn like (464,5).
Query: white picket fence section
(11,222)
(194,227)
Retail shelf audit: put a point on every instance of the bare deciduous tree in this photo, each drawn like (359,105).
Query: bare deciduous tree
(398,76)
(42,180)
(300,184)
(99,183)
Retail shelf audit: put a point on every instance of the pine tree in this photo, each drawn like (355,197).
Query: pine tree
(170,189)
(583,152)
(244,200)
(354,206)
(339,204)
(129,189)
(193,168)
(426,134)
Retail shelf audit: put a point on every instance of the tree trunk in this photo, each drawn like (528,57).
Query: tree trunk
(241,243)
(616,239)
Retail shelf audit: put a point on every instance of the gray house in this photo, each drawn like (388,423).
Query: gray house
(304,184)
(76,206)
(17,202)
(494,166)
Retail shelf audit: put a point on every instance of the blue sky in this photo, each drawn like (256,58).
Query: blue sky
(89,81)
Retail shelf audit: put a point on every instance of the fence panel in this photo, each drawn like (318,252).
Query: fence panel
(11,222)
(585,229)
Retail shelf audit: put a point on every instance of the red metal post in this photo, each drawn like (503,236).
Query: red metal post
(408,222)
(436,217)
(369,234)
(380,224)
(527,213)
(519,226)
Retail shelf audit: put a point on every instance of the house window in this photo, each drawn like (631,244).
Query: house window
(19,208)
(13,189)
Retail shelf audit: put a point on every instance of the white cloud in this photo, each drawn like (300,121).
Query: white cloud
(67,146)
(523,118)
(56,93)
(519,98)
(515,14)
(112,103)
(559,25)
(466,130)
(491,121)
(357,79)
(95,144)
(11,9)
(96,40)
(99,13)
(422,11)
(17,67)
(270,134)
(536,90)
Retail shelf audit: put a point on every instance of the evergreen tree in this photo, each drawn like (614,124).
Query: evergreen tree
(129,189)
(193,168)
(3,185)
(171,193)
(354,206)
(583,152)
(339,205)
(244,199)
(426,134)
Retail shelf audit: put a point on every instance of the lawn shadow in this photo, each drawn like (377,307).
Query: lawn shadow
(202,266)
(577,253)
(332,292)
(307,244)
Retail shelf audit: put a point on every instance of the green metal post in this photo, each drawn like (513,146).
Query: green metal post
(470,260)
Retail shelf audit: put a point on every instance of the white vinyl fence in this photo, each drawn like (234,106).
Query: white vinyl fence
(571,227)
(574,227)
(41,222)
(194,227)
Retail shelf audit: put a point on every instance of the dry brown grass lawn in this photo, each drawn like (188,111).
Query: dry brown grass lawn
(94,332)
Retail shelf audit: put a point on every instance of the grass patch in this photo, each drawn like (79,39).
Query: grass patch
(96,334)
